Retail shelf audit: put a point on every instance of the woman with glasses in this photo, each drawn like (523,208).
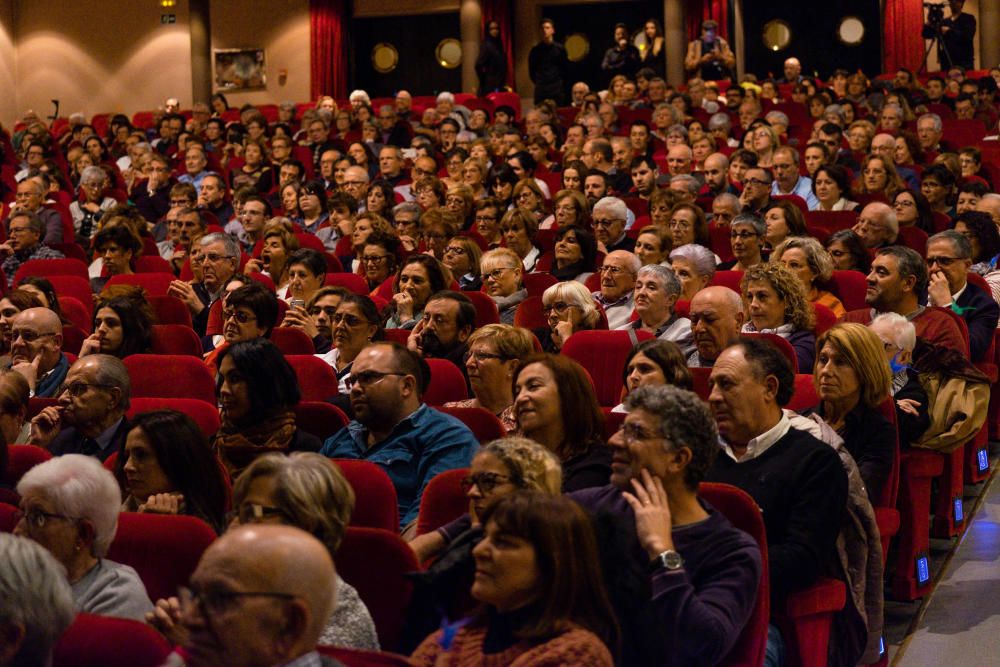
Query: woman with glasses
(984,238)
(91,205)
(437,227)
(165,466)
(418,278)
(519,228)
(353,326)
(460,200)
(494,352)
(429,192)
(365,225)
(913,210)
(848,252)
(937,183)
(746,237)
(462,256)
(379,258)
(70,506)
(570,210)
(119,247)
(487,221)
(575,254)
(257,392)
(310,492)
(249,312)
(528,196)
(500,468)
(122,325)
(502,273)
(687,225)
(568,307)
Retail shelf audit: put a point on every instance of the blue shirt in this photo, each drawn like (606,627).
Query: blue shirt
(419,447)
(803,188)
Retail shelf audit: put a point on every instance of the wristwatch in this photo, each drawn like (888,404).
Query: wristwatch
(669,560)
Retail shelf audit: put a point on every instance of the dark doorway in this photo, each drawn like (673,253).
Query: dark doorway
(813,36)
(415,39)
(597,23)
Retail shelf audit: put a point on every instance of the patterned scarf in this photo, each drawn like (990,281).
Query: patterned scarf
(238,447)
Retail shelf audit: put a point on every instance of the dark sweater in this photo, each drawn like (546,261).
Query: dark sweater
(801,488)
(592,468)
(689,617)
(911,427)
(871,440)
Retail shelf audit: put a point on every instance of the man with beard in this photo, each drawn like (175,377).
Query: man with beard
(394,429)
(449,319)
(220,260)
(90,417)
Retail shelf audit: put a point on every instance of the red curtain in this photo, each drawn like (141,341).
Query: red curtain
(904,47)
(500,11)
(701,10)
(328,47)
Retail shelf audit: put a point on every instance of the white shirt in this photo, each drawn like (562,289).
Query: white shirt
(761,443)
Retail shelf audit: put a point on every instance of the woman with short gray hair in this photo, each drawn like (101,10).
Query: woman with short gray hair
(656,292)
(694,266)
(70,506)
(89,208)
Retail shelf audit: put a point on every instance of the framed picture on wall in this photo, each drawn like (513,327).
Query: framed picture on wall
(240,69)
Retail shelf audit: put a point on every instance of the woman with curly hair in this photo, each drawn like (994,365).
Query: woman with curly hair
(805,257)
(776,303)
(878,177)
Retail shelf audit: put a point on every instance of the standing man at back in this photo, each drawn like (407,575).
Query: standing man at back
(547,65)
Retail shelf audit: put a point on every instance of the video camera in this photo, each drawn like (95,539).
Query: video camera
(935,13)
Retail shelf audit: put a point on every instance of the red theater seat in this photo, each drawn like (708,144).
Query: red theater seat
(104,641)
(170,376)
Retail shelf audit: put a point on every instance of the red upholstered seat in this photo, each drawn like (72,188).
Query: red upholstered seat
(730,279)
(51,267)
(480,421)
(741,510)
(170,310)
(155,284)
(292,341)
(74,286)
(486,309)
(21,459)
(850,288)
(805,395)
(206,415)
(806,620)
(529,314)
(397,335)
(320,418)
(76,312)
(913,238)
(375,503)
(176,339)
(446,383)
(613,421)
(104,641)
(602,354)
(825,318)
(351,281)
(152,264)
(163,548)
(833,221)
(537,283)
(317,380)
(369,551)
(782,344)
(73,337)
(443,500)
(170,376)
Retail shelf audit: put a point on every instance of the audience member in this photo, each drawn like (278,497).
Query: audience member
(395,430)
(70,505)
(502,273)
(656,292)
(418,278)
(694,267)
(354,324)
(777,304)
(122,325)
(24,243)
(899,338)
(806,258)
(449,319)
(746,237)
(617,294)
(568,308)
(717,316)
(653,363)
(15,428)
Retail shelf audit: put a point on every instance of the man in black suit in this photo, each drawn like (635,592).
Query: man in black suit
(949,256)
(90,417)
(957,33)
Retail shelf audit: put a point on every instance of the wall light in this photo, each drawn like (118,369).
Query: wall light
(167,4)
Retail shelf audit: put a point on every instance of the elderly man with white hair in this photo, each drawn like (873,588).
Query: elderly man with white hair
(617,273)
(70,505)
(36,604)
(656,291)
(610,216)
(912,406)
(877,225)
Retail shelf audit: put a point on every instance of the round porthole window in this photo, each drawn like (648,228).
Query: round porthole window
(851,31)
(449,53)
(777,35)
(577,47)
(385,57)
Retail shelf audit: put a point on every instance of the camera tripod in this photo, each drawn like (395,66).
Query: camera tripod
(936,39)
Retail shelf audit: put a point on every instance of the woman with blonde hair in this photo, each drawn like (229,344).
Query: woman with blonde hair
(474,173)
(518,227)
(502,273)
(852,378)
(494,352)
(808,259)
(569,307)
(776,304)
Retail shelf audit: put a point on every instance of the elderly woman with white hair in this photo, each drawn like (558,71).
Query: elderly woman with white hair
(88,209)
(569,307)
(694,266)
(806,257)
(656,292)
(70,506)
(899,337)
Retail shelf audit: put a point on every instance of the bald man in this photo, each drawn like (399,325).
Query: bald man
(260,596)
(716,318)
(36,351)
(877,225)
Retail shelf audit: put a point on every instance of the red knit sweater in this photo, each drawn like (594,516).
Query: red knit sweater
(573,647)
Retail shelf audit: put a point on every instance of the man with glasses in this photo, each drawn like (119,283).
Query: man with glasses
(392,130)
(220,259)
(756,196)
(36,350)
(90,416)
(24,235)
(610,218)
(949,256)
(261,595)
(616,295)
(787,180)
(675,551)
(896,284)
(422,166)
(356,185)
(877,225)
(29,198)
(395,430)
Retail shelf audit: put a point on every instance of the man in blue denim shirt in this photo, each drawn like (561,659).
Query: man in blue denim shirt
(395,430)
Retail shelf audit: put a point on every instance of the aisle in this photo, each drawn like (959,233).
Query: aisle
(961,625)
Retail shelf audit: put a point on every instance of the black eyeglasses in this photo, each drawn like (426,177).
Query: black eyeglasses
(942,261)
(216,603)
(366,379)
(560,307)
(484,481)
(37,518)
(254,513)
(80,388)
(27,336)
(238,315)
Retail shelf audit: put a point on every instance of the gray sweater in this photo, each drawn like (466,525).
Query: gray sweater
(112,589)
